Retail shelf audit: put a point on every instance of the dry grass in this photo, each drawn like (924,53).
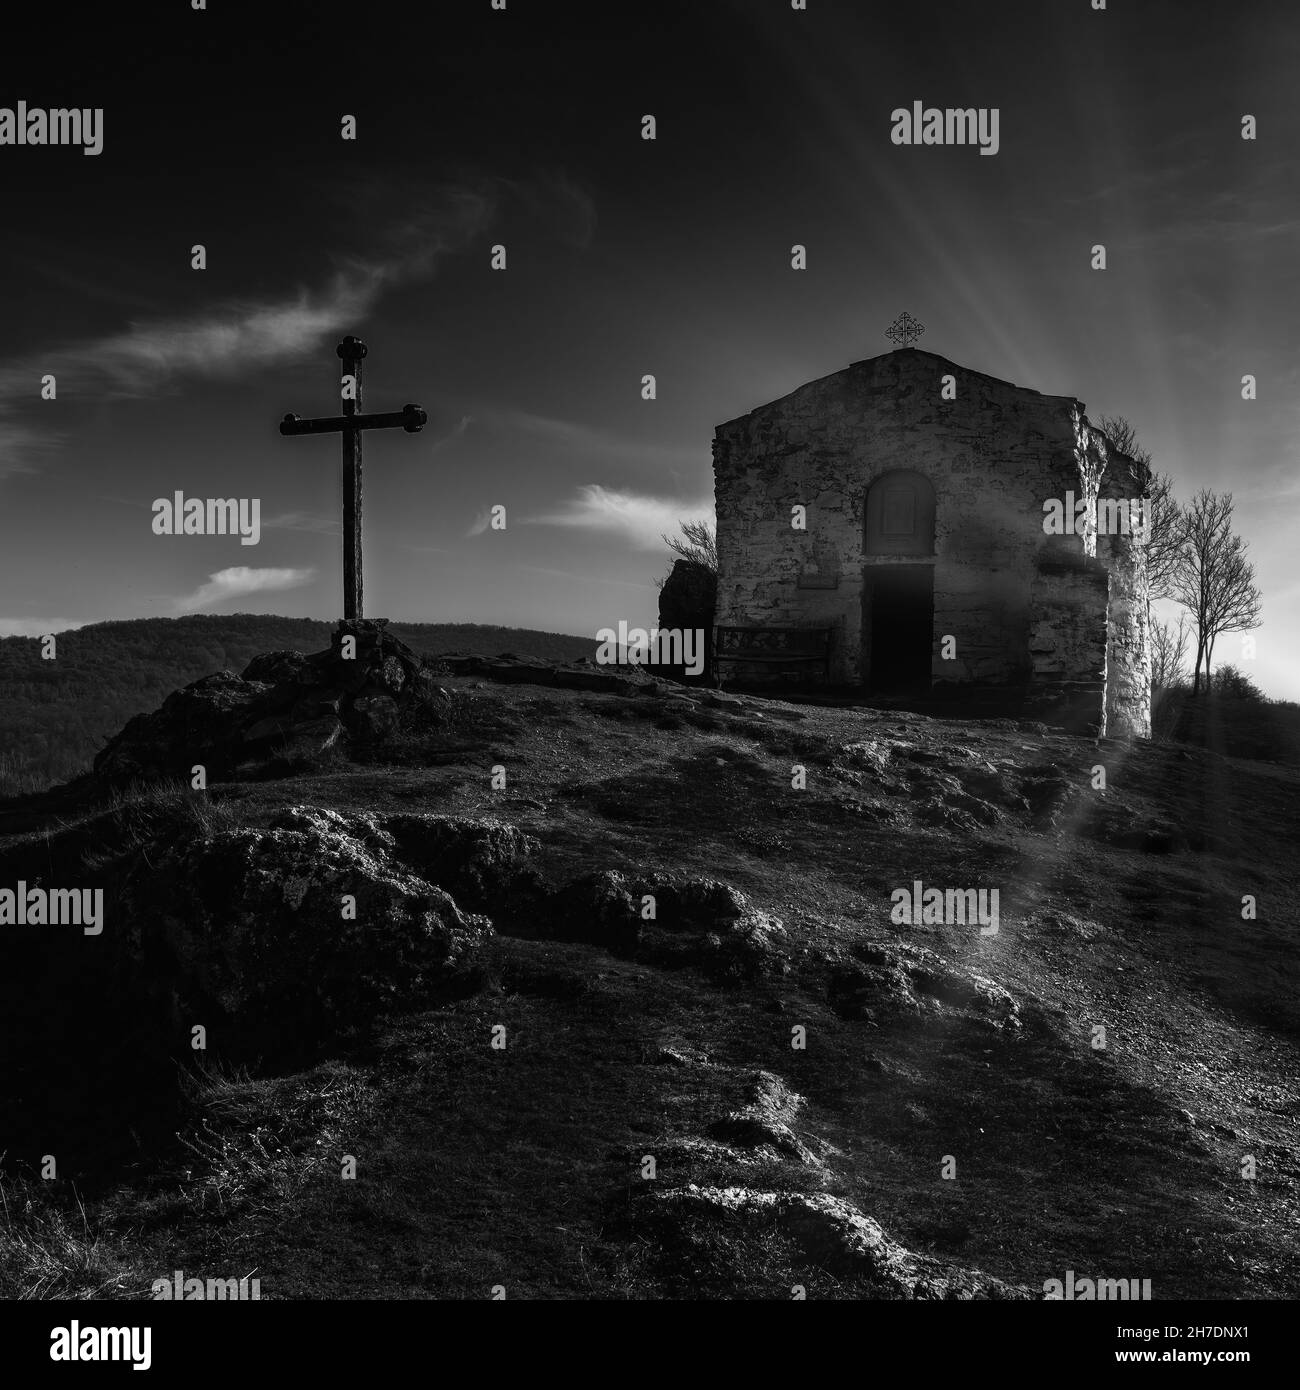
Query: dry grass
(48,1252)
(255,1142)
(142,813)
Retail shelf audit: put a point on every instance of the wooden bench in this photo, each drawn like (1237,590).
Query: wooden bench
(772,646)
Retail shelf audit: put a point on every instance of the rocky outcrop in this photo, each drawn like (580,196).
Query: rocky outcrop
(704,1226)
(484,863)
(898,982)
(278,938)
(830,1233)
(670,922)
(765,1119)
(688,596)
(283,709)
(686,601)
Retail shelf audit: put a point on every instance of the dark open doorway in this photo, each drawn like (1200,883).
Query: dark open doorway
(898,627)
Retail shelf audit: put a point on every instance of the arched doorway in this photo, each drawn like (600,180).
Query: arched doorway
(897,596)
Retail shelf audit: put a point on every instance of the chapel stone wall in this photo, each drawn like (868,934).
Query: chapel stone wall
(993,455)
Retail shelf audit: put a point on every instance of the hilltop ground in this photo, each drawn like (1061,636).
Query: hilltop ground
(524,1166)
(56,709)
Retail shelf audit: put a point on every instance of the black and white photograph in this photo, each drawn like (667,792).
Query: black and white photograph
(650,653)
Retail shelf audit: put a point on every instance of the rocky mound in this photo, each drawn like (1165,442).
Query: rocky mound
(701,1221)
(316,925)
(282,708)
(829,1232)
(668,921)
(285,936)
(286,708)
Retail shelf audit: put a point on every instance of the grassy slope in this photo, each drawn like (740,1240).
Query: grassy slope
(479,1167)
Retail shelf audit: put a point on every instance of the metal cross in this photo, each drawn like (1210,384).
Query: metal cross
(350,424)
(904,330)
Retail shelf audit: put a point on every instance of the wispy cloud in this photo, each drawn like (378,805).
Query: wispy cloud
(154,354)
(302,521)
(37,627)
(240,580)
(22,447)
(243,334)
(480,523)
(642,521)
(456,432)
(239,336)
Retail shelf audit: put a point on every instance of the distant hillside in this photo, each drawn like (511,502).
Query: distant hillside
(56,715)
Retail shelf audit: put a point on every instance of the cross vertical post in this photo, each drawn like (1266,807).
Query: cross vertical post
(351,351)
(350,424)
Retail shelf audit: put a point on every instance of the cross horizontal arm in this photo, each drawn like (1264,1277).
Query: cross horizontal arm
(411,418)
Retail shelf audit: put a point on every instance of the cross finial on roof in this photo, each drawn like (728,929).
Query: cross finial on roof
(904,330)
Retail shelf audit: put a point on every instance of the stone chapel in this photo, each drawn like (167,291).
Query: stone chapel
(923,558)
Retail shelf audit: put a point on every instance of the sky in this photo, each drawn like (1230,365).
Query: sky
(522,127)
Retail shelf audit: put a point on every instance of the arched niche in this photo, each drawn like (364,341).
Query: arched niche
(899,515)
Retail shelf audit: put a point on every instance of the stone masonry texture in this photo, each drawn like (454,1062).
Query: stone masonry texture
(1063,619)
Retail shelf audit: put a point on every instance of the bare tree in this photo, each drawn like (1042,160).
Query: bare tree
(1164,539)
(1123,436)
(1236,600)
(1213,579)
(697,543)
(1169,653)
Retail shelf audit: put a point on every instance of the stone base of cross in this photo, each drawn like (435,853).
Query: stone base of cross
(368,632)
